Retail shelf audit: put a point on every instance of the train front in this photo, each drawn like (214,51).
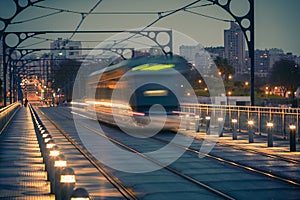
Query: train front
(154,90)
(141,94)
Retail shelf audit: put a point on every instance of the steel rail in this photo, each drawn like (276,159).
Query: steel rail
(174,171)
(125,191)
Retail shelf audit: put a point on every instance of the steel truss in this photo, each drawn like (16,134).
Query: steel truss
(246,22)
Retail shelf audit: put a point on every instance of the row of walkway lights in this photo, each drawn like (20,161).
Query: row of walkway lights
(62,178)
(251,131)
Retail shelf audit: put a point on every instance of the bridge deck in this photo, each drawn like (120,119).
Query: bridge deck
(23,175)
(22,171)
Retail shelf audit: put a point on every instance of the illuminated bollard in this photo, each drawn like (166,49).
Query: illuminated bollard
(45,139)
(197,123)
(48,146)
(234,129)
(250,131)
(187,122)
(40,134)
(80,194)
(53,153)
(207,118)
(59,164)
(270,134)
(220,129)
(67,183)
(292,137)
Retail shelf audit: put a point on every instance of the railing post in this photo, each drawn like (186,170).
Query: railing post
(239,120)
(259,120)
(283,124)
(298,123)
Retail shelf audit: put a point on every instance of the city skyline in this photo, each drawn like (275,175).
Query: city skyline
(275,24)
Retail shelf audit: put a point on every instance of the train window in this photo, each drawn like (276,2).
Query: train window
(156,93)
(153,67)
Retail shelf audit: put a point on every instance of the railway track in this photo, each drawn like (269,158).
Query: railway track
(60,136)
(181,168)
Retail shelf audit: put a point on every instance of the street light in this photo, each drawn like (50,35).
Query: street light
(220,120)
(270,134)
(207,118)
(292,128)
(80,194)
(234,128)
(67,183)
(250,130)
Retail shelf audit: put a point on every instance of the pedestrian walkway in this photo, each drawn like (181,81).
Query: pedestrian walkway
(281,147)
(22,171)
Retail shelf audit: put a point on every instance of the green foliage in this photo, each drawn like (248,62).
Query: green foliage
(65,76)
(224,67)
(285,74)
(201,93)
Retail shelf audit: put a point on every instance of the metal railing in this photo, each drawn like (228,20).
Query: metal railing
(6,113)
(280,117)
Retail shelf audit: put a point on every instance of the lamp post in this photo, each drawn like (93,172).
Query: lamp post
(292,128)
(187,122)
(59,164)
(270,134)
(197,123)
(67,184)
(207,118)
(53,154)
(250,130)
(80,194)
(220,120)
(234,129)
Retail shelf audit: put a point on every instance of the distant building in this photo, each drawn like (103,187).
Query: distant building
(297,60)
(189,52)
(203,62)
(234,48)
(63,48)
(275,55)
(261,63)
(198,56)
(216,52)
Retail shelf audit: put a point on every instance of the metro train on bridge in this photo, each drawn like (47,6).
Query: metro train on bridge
(140,90)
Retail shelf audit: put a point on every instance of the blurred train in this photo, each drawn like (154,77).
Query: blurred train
(140,92)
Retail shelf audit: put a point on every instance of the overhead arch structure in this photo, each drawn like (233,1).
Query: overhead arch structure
(19,6)
(245,20)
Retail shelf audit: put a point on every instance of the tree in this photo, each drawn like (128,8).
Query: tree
(225,69)
(65,76)
(285,74)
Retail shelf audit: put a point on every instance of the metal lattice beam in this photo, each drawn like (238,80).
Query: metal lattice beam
(246,22)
